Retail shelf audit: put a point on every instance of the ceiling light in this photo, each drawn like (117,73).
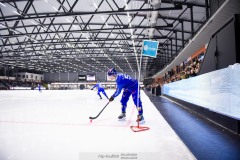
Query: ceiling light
(16,12)
(55,8)
(170,12)
(68,20)
(103,18)
(2,4)
(34,23)
(95,5)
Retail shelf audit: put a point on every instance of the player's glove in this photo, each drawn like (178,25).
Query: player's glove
(111,99)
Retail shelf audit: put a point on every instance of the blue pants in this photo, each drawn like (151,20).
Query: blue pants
(103,92)
(125,97)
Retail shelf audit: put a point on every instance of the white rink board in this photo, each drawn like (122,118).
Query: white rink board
(218,91)
(55,125)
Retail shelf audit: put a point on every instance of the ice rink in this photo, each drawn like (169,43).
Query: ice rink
(55,125)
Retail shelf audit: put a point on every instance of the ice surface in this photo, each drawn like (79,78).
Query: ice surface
(55,125)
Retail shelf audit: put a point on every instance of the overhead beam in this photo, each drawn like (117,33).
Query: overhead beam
(182,3)
(162,1)
(74,42)
(79,31)
(127,27)
(62,14)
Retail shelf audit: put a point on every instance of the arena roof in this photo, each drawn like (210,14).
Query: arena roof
(94,35)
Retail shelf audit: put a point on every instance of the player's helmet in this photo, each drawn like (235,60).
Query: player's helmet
(111,72)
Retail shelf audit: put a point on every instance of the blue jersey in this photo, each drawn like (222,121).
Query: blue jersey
(126,82)
(98,86)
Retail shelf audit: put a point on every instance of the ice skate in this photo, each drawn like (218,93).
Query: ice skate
(140,118)
(122,117)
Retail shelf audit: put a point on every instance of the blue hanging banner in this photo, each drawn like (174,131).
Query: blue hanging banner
(150,48)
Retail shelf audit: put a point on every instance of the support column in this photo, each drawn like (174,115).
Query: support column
(176,43)
(207,9)
(182,25)
(191,14)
